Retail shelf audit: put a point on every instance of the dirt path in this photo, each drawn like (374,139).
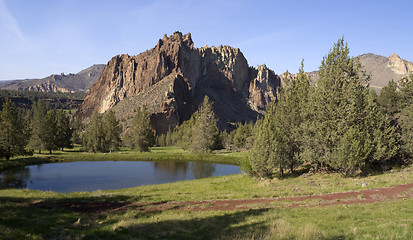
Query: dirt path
(353,197)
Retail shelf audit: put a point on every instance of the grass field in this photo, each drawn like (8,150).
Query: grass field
(28,214)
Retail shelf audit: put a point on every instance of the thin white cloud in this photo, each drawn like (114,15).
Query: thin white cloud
(9,23)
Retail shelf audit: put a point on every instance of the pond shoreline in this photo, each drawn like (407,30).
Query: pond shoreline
(156,154)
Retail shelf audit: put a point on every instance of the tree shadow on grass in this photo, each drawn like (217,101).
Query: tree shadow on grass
(55,218)
(229,225)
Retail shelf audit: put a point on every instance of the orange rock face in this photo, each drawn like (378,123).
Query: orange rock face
(181,75)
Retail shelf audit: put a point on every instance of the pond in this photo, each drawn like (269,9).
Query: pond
(104,175)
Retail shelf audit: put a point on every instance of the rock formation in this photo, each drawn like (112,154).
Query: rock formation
(384,69)
(79,82)
(172,79)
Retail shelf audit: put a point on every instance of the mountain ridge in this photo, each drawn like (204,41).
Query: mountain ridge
(79,82)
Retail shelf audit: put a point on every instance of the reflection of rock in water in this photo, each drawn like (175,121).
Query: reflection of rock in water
(202,170)
(15,178)
(171,169)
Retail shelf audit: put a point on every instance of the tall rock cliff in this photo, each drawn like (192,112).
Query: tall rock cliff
(172,78)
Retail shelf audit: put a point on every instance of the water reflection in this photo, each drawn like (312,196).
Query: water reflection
(15,178)
(171,169)
(177,169)
(91,176)
(202,170)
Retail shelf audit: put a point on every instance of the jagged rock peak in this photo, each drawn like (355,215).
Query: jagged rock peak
(172,79)
(176,37)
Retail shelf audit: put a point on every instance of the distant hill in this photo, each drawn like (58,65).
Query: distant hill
(382,69)
(70,83)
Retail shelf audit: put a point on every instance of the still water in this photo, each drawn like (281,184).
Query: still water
(103,175)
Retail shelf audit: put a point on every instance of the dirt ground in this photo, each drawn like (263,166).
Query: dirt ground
(352,197)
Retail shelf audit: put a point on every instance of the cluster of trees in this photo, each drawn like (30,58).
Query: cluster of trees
(337,124)
(13,133)
(198,134)
(49,129)
(103,133)
(23,132)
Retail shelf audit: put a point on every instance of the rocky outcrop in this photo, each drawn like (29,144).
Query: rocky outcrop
(262,90)
(384,69)
(172,79)
(400,66)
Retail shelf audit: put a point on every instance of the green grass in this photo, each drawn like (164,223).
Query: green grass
(22,218)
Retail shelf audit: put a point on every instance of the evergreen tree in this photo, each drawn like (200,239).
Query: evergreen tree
(77,128)
(290,119)
(343,116)
(406,126)
(242,137)
(169,138)
(141,135)
(38,126)
(94,135)
(205,133)
(49,138)
(161,140)
(183,135)
(390,99)
(63,130)
(12,135)
(112,130)
(262,158)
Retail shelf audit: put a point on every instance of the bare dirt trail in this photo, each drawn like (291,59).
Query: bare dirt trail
(352,197)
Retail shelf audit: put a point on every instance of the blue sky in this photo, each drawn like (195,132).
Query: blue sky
(42,37)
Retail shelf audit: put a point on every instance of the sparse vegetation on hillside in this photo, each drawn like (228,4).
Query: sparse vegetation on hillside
(26,99)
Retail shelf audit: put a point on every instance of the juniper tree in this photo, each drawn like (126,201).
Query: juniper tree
(242,137)
(49,136)
(12,135)
(205,133)
(112,130)
(290,119)
(141,135)
(94,136)
(262,158)
(63,130)
(344,116)
(390,99)
(38,126)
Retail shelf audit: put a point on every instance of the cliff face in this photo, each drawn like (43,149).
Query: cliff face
(172,79)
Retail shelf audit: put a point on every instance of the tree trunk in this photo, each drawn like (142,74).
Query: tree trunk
(281,170)
(50,151)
